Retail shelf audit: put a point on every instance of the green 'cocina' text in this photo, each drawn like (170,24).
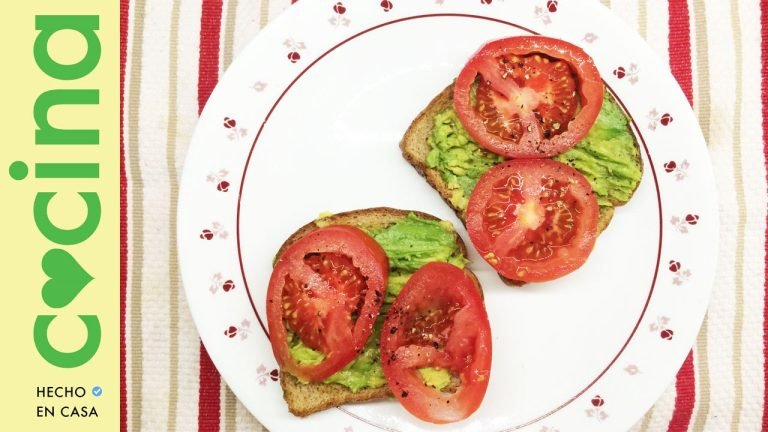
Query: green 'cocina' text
(66,278)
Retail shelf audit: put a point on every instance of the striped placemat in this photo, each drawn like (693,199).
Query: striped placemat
(172,54)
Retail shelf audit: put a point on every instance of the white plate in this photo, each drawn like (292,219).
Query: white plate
(308,119)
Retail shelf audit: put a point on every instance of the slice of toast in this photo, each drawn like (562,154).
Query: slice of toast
(415,147)
(305,399)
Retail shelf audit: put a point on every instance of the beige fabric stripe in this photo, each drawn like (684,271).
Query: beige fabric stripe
(738,320)
(229,32)
(137,213)
(229,402)
(173,258)
(264,13)
(646,420)
(702,365)
(703,100)
(188,53)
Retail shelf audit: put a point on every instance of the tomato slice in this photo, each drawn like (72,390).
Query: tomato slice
(438,320)
(326,289)
(533,220)
(528,96)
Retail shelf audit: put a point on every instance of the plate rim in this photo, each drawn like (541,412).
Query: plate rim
(708,174)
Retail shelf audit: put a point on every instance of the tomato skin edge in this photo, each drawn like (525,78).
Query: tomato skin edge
(375,267)
(590,87)
(424,402)
(545,270)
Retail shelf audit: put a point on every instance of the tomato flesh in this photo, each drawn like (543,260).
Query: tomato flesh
(533,220)
(528,97)
(431,327)
(438,320)
(533,89)
(305,313)
(326,289)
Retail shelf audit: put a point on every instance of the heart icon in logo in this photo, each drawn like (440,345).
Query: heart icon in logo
(67,278)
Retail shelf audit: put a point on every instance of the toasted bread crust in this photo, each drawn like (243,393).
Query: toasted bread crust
(415,145)
(375,217)
(305,399)
(606,214)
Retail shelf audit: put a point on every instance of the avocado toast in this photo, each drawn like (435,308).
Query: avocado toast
(437,145)
(410,240)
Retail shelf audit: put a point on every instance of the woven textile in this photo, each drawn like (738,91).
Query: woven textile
(172,55)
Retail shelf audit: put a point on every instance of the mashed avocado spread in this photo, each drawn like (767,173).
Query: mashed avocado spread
(606,156)
(459,159)
(409,243)
(435,377)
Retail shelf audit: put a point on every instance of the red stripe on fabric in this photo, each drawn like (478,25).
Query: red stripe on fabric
(764,92)
(209,408)
(210,26)
(680,46)
(124,8)
(680,64)
(685,398)
(209,403)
